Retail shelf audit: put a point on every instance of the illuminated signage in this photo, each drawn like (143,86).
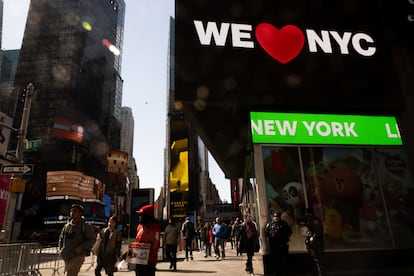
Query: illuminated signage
(327,129)
(286,43)
(273,55)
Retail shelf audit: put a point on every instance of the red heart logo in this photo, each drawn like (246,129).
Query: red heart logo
(284,44)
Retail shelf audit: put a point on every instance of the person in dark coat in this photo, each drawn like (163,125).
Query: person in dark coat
(278,233)
(313,235)
(110,249)
(188,232)
(249,241)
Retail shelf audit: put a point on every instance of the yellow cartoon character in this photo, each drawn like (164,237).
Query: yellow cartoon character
(333,223)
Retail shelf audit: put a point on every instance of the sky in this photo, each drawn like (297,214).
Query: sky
(144,71)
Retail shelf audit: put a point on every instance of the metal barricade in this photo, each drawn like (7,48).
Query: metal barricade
(19,259)
(49,259)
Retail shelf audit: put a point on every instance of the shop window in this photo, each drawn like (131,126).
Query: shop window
(362,195)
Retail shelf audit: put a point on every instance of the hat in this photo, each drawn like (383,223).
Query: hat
(77,206)
(277,214)
(147,210)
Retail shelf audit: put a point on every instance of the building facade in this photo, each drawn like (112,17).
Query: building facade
(71,53)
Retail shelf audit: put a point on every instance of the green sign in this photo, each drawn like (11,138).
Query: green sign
(326,129)
(34,144)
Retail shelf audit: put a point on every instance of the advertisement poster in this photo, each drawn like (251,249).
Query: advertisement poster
(4,194)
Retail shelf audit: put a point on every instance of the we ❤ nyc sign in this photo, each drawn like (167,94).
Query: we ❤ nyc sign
(284,43)
(291,55)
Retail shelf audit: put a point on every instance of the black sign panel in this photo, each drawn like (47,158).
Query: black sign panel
(285,55)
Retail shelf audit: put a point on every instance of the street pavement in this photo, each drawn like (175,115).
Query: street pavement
(231,265)
(201,266)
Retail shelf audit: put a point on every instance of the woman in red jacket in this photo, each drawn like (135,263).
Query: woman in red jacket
(148,231)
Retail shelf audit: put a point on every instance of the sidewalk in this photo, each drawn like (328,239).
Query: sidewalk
(231,265)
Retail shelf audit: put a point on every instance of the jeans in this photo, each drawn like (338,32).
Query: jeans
(219,242)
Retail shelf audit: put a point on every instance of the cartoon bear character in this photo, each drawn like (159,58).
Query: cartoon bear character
(343,190)
(314,187)
(369,214)
(292,194)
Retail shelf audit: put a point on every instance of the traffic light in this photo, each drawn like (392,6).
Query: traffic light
(17,185)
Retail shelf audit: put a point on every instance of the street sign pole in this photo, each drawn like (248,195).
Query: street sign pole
(11,202)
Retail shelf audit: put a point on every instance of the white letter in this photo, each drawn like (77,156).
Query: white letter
(309,127)
(238,35)
(257,128)
(211,30)
(337,129)
(327,131)
(269,127)
(342,42)
(323,42)
(356,42)
(286,127)
(349,129)
(391,135)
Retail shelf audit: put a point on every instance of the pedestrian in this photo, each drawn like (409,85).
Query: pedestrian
(236,233)
(148,231)
(188,232)
(220,236)
(249,240)
(171,240)
(110,248)
(207,236)
(230,234)
(75,240)
(313,234)
(278,233)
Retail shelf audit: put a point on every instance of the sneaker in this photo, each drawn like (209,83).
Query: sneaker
(191,258)
(217,257)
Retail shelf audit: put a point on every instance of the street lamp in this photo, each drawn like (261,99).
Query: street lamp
(21,135)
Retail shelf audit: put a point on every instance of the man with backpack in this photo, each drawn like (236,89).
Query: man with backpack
(75,241)
(188,232)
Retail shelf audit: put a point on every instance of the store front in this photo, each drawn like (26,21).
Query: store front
(352,170)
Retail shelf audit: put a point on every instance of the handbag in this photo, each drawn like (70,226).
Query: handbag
(256,245)
(96,246)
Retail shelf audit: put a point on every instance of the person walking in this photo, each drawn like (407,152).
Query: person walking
(188,232)
(148,231)
(220,235)
(207,236)
(171,240)
(237,226)
(75,240)
(110,248)
(278,233)
(249,240)
(313,235)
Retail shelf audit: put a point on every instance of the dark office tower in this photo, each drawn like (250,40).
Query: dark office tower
(71,53)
